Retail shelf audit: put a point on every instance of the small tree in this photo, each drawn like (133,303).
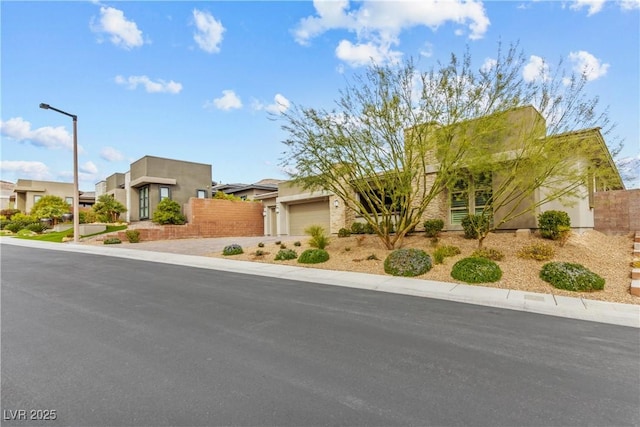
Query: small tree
(168,212)
(50,207)
(108,209)
(398,138)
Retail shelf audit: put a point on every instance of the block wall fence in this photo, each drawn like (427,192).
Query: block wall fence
(617,212)
(210,218)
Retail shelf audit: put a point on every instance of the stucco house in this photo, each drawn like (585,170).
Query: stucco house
(248,191)
(296,209)
(27,192)
(151,179)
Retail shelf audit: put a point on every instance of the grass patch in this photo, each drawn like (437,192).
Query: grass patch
(57,236)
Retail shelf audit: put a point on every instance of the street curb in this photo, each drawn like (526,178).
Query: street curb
(547,304)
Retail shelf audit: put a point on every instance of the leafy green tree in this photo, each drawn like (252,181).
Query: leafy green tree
(168,212)
(398,137)
(108,209)
(50,206)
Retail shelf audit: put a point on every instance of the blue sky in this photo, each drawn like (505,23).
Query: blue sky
(199,81)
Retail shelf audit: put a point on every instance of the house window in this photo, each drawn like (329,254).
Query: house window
(144,202)
(69,200)
(459,201)
(375,195)
(201,194)
(164,193)
(37,198)
(470,195)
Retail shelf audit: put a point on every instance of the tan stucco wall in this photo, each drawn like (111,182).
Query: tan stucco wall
(25,196)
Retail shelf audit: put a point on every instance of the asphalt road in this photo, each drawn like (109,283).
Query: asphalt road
(107,341)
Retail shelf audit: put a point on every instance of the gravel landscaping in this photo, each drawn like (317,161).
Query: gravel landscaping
(608,256)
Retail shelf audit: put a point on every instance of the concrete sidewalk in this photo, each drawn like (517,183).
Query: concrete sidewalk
(574,308)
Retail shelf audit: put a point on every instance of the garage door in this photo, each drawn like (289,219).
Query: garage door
(306,214)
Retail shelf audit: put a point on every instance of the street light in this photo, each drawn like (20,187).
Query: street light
(76,192)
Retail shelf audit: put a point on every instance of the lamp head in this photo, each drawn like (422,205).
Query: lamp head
(44,106)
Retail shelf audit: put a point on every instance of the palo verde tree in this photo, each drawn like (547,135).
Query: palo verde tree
(50,206)
(108,209)
(399,137)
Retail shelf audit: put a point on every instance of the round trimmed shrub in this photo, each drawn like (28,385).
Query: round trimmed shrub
(36,227)
(552,223)
(313,256)
(112,241)
(343,232)
(433,227)
(476,270)
(234,249)
(407,262)
(285,254)
(572,277)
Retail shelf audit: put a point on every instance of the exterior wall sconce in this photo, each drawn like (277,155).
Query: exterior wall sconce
(336,204)
(277,211)
(264,212)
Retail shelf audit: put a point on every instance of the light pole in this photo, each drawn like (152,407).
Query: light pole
(76,192)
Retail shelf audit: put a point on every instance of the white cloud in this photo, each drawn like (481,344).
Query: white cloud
(89,168)
(159,86)
(122,32)
(630,4)
(363,53)
(587,64)
(378,24)
(279,106)
(48,137)
(488,64)
(594,6)
(228,101)
(110,154)
(26,169)
(536,69)
(629,168)
(209,31)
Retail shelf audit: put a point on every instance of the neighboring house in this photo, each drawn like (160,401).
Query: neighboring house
(152,179)
(248,191)
(6,190)
(27,192)
(296,208)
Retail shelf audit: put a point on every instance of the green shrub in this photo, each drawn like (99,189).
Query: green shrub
(260,252)
(261,245)
(233,249)
(87,217)
(343,232)
(357,228)
(488,253)
(8,213)
(4,222)
(278,242)
(14,227)
(572,277)
(36,227)
(169,212)
(313,256)
(318,238)
(298,244)
(112,241)
(537,251)
(432,227)
(133,236)
(550,222)
(474,225)
(407,262)
(476,270)
(368,229)
(285,254)
(50,206)
(444,251)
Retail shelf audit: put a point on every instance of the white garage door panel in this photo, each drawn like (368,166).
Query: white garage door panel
(306,214)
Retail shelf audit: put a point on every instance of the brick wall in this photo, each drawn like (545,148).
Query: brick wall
(210,218)
(617,212)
